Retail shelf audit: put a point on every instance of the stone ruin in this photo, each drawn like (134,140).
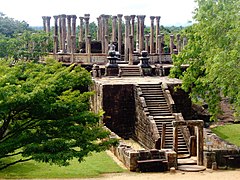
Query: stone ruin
(128,44)
(153,114)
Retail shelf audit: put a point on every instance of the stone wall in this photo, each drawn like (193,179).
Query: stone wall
(221,150)
(119,107)
(182,101)
(145,130)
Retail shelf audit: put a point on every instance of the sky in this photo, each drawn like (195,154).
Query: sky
(172,12)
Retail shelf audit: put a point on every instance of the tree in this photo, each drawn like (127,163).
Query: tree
(213,55)
(9,26)
(45,113)
(27,45)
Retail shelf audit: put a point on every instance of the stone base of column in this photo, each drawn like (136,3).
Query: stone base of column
(111,70)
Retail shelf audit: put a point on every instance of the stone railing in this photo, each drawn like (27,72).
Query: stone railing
(146,131)
(185,132)
(169,99)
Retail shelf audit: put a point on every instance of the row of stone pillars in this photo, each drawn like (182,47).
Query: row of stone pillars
(65,34)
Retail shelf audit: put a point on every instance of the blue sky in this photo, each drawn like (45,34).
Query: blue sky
(172,12)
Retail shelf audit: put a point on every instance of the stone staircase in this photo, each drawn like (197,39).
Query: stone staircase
(129,70)
(159,109)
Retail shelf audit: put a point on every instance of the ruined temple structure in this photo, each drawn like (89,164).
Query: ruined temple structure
(130,73)
(129,41)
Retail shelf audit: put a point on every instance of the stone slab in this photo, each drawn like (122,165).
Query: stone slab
(191,168)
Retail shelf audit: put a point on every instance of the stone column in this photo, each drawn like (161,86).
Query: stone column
(44,23)
(63,27)
(48,18)
(126,38)
(171,43)
(106,32)
(175,139)
(200,143)
(103,32)
(55,36)
(119,33)
(114,29)
(161,45)
(99,29)
(141,32)
(137,30)
(74,17)
(157,32)
(80,37)
(152,35)
(147,42)
(69,33)
(86,18)
(131,50)
(106,43)
(133,29)
(88,47)
(178,43)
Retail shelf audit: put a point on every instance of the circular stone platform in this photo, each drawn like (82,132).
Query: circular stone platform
(191,168)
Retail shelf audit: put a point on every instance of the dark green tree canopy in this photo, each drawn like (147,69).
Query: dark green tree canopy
(9,26)
(45,113)
(213,55)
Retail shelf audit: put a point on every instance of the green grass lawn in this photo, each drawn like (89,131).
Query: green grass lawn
(229,132)
(93,166)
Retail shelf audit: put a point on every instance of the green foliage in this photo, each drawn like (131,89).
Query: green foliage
(9,26)
(213,54)
(229,133)
(27,45)
(45,113)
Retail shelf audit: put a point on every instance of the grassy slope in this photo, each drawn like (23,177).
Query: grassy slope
(94,165)
(230,133)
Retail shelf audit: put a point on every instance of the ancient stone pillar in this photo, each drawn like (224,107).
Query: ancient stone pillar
(80,37)
(157,32)
(132,28)
(126,38)
(141,32)
(131,50)
(171,43)
(44,23)
(137,30)
(88,44)
(63,27)
(48,18)
(200,143)
(86,18)
(99,29)
(178,43)
(175,139)
(55,35)
(88,47)
(69,33)
(60,32)
(106,36)
(152,35)
(119,33)
(106,43)
(74,17)
(161,45)
(114,28)
(103,33)
(147,42)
